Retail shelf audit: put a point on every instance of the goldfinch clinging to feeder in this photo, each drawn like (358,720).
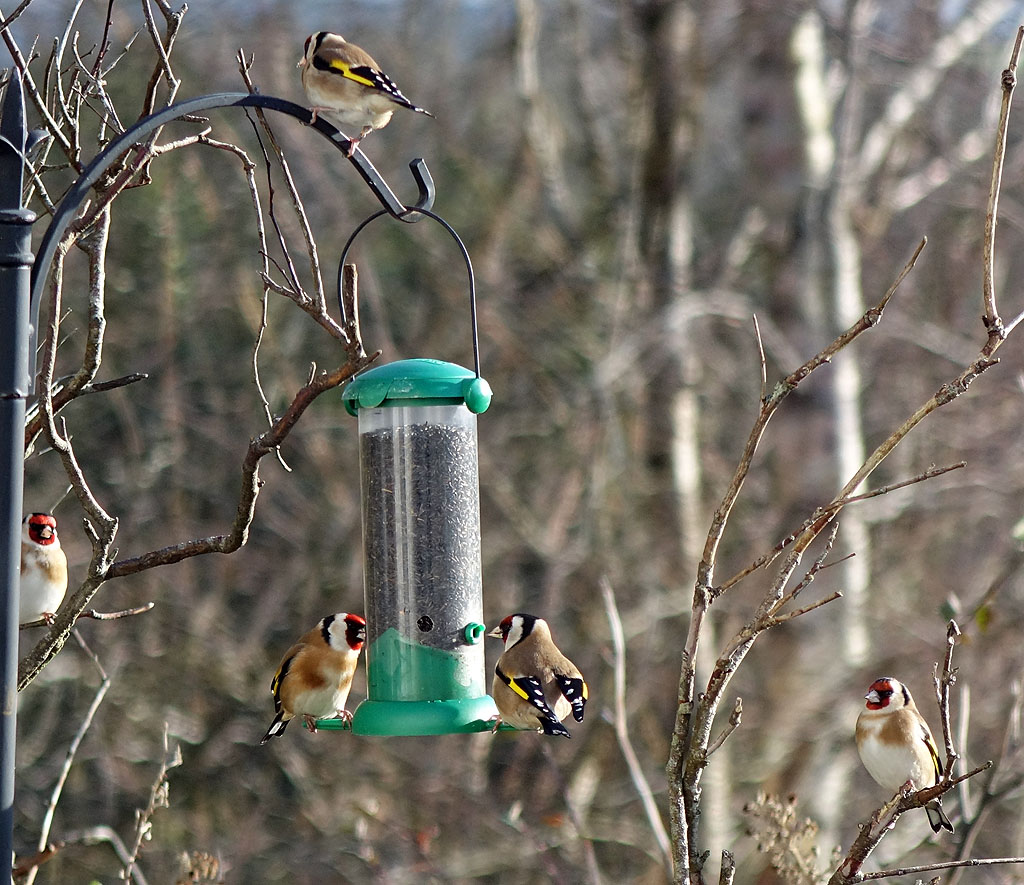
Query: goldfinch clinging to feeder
(896,745)
(44,569)
(347,86)
(535,686)
(315,676)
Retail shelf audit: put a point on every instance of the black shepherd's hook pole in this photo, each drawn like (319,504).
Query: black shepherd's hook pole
(21,287)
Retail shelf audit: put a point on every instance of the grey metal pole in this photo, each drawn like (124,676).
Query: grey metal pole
(15,268)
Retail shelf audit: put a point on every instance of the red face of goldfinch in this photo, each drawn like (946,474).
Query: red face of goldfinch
(896,745)
(44,569)
(315,676)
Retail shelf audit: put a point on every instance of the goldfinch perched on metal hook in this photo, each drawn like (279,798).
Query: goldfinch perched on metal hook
(535,686)
(315,676)
(896,745)
(347,86)
(44,569)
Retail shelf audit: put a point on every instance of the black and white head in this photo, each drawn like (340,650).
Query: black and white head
(343,631)
(515,628)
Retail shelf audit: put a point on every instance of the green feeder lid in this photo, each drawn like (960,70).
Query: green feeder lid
(421,382)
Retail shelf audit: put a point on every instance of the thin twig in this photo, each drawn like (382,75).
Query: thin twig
(95,615)
(833,506)
(1008,80)
(976,812)
(946,865)
(43,845)
(943,683)
(116,616)
(735,718)
(95,835)
(249,169)
(811,573)
(297,205)
(621,724)
(764,363)
(158,798)
(781,619)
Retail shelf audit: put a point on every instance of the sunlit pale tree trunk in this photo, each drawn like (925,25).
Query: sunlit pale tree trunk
(832,300)
(668,33)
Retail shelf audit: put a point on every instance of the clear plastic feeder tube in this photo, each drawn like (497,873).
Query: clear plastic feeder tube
(421,551)
(421,548)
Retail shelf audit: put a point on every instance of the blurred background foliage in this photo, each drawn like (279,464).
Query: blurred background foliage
(550,157)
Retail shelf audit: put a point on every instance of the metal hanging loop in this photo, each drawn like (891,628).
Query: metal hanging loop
(409,215)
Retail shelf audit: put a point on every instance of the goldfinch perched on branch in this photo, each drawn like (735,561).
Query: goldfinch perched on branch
(896,745)
(535,686)
(315,676)
(44,569)
(347,86)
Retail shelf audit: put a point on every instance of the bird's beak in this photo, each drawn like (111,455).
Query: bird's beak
(46,532)
(496,632)
(872,697)
(301,62)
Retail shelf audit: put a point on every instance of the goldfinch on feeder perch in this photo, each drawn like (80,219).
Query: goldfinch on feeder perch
(345,84)
(315,676)
(535,686)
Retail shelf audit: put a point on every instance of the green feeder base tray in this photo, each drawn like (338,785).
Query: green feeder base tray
(406,718)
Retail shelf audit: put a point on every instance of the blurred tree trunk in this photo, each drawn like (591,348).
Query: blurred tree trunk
(832,300)
(669,77)
(846,305)
(672,76)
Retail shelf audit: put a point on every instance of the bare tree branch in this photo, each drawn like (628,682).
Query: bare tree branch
(44,850)
(620,722)
(944,865)
(1008,81)
(158,798)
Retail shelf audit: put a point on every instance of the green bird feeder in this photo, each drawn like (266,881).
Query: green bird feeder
(422,582)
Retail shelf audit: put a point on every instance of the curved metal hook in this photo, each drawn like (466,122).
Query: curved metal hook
(412,210)
(132,136)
